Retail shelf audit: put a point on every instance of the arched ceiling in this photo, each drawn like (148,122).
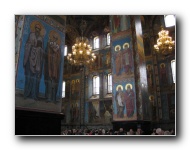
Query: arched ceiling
(93,25)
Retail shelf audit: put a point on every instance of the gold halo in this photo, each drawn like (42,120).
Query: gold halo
(129,85)
(118,87)
(125,45)
(162,64)
(52,33)
(32,27)
(73,81)
(151,96)
(77,80)
(148,66)
(117,48)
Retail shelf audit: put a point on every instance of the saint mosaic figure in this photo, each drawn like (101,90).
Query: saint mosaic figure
(163,73)
(127,59)
(33,61)
(52,66)
(118,60)
(120,101)
(149,75)
(129,98)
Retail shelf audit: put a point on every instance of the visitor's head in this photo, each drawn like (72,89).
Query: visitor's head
(159,131)
(121,130)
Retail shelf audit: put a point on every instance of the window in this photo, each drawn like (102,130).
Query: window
(108,39)
(173,70)
(63,89)
(65,51)
(169,20)
(96,42)
(96,85)
(109,83)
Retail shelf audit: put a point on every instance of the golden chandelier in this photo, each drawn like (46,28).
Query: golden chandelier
(81,52)
(164,44)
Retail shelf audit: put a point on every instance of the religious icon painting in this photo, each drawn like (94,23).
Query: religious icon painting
(38,76)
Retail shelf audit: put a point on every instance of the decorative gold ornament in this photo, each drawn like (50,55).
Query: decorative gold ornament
(81,52)
(126,86)
(119,86)
(164,44)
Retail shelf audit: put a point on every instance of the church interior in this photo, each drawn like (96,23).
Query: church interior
(95,74)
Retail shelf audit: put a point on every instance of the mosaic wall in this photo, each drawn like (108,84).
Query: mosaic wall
(129,71)
(159,75)
(124,96)
(99,112)
(40,65)
(96,106)
(93,107)
(119,23)
(139,89)
(72,97)
(19,22)
(103,61)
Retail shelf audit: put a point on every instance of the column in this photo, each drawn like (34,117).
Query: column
(130,94)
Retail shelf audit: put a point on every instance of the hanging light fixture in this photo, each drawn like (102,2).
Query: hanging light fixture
(81,51)
(164,44)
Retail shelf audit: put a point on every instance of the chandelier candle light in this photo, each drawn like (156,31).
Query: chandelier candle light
(164,44)
(81,52)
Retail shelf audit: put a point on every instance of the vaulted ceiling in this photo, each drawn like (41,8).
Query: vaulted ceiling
(94,25)
(91,25)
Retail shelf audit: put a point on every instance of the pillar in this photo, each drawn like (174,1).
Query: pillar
(130,92)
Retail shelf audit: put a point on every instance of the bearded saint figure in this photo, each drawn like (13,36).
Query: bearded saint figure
(120,103)
(52,68)
(127,61)
(33,62)
(129,98)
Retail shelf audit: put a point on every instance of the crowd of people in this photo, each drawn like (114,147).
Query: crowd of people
(121,131)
